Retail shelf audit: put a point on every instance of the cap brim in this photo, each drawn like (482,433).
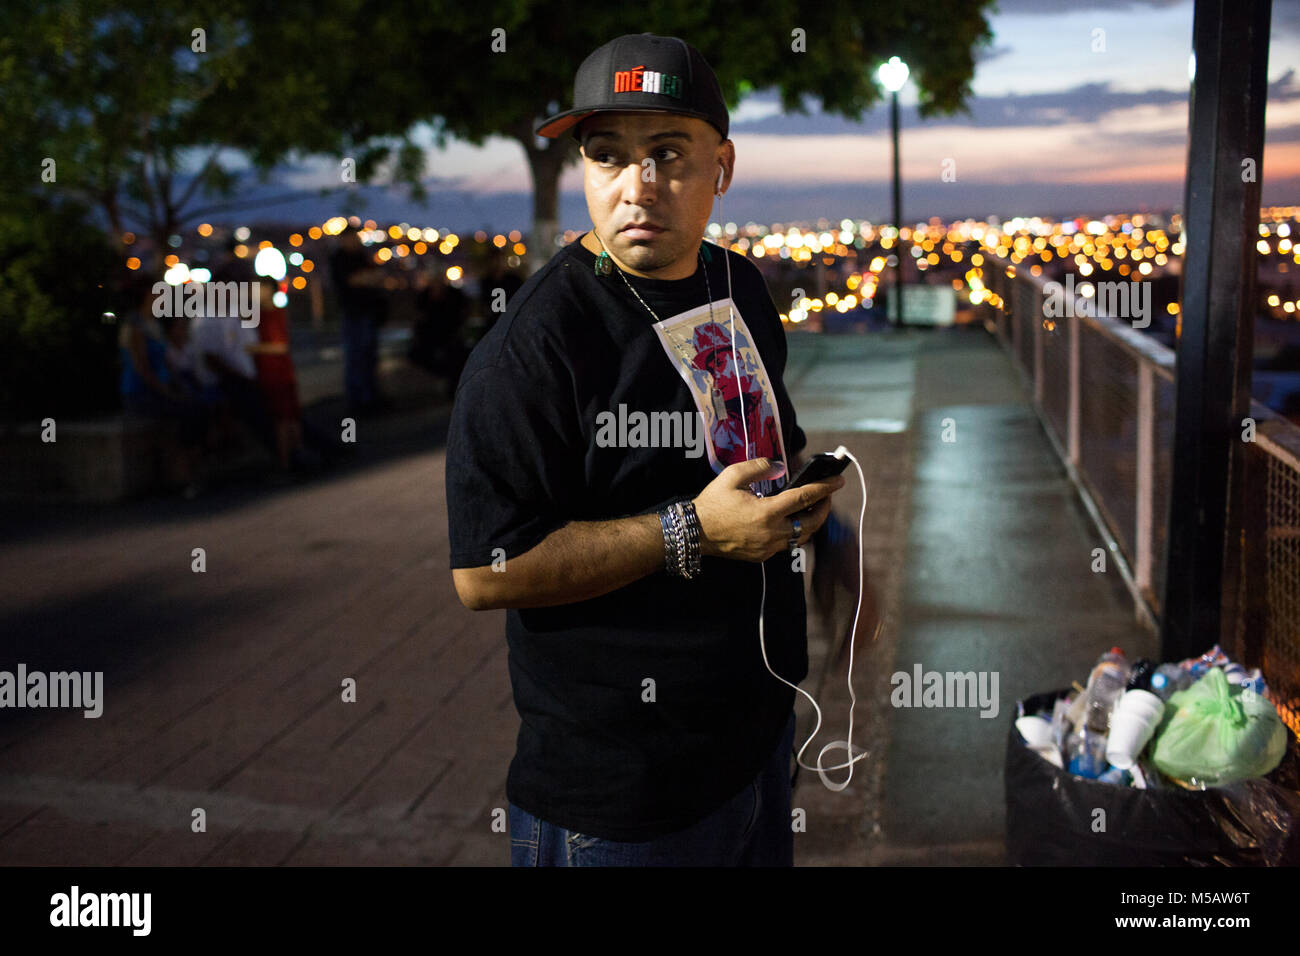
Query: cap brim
(560,122)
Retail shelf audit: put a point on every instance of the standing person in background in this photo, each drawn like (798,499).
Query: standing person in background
(496,276)
(180,357)
(303,447)
(276,378)
(361,302)
(438,334)
(223,363)
(197,429)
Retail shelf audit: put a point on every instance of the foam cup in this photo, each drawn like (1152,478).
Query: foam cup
(1132,725)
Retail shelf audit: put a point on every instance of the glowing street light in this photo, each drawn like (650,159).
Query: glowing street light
(892,75)
(270,262)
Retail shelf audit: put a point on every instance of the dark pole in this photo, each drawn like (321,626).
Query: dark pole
(898,216)
(1215,345)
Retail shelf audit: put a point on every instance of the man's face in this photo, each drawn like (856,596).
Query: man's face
(673,191)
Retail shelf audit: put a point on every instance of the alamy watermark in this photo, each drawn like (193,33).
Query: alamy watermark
(952,689)
(75,909)
(22,688)
(1118,300)
(240,300)
(639,429)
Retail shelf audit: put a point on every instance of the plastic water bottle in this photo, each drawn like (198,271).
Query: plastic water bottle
(1169,678)
(1087,752)
(1116,776)
(1105,685)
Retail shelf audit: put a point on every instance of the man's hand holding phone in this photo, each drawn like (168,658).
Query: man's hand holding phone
(735,523)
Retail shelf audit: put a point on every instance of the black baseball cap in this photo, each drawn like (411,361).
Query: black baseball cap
(641,71)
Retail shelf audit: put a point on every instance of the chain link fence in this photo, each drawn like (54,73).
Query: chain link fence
(1105,394)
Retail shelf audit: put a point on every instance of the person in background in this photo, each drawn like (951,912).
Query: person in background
(497,275)
(224,366)
(302,447)
(180,361)
(149,387)
(437,336)
(180,357)
(276,377)
(363,308)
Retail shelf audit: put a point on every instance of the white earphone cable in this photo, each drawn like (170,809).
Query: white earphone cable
(854,753)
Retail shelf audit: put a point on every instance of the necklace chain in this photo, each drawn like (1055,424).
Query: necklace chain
(707,286)
(708,289)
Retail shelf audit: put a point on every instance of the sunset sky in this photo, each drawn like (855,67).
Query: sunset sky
(1054,129)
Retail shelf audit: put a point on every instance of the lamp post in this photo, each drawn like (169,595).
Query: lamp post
(892,76)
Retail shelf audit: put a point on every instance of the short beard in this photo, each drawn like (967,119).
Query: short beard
(647,257)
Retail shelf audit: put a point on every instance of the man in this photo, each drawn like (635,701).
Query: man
(437,334)
(651,730)
(362,305)
(222,348)
(496,275)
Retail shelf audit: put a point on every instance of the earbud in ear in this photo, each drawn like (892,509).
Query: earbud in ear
(722,172)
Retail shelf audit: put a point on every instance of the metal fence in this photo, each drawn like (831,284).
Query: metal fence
(1105,395)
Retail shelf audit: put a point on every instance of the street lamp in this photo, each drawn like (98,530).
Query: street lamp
(892,76)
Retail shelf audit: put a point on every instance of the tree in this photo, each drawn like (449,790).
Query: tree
(112,107)
(121,117)
(500,71)
(130,106)
(137,112)
(57,348)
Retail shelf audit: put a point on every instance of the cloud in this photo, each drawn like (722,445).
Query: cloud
(754,108)
(983,55)
(1285,21)
(1088,103)
(1028,8)
(1282,134)
(1085,103)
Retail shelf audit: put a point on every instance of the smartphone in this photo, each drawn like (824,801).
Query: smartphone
(821,466)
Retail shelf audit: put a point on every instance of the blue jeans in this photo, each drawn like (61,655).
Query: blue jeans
(753,828)
(360,357)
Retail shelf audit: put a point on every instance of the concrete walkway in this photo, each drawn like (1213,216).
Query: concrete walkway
(224,691)
(981,555)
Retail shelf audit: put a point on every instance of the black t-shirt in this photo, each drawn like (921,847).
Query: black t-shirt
(542,433)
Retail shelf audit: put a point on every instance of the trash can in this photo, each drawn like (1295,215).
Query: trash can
(1057,819)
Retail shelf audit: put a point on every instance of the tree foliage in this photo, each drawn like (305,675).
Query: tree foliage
(141,121)
(146,108)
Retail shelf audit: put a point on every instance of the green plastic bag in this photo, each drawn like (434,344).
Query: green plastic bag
(1215,733)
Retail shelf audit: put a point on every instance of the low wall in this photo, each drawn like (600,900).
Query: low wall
(102,459)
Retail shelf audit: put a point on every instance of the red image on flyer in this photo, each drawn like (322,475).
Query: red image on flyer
(731,386)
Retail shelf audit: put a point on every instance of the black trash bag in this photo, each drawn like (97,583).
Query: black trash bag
(1057,819)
